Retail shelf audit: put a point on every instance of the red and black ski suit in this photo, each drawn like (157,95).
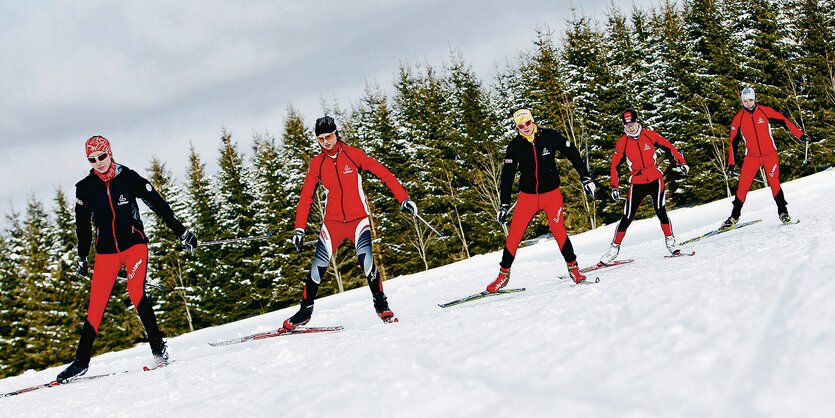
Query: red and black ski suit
(754,128)
(120,241)
(539,187)
(346,210)
(645,178)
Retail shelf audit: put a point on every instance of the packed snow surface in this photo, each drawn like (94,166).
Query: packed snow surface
(746,327)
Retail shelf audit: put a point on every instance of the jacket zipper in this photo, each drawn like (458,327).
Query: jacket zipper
(535,166)
(341,191)
(756,135)
(113,221)
(137,231)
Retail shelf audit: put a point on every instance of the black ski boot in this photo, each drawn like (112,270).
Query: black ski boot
(381,305)
(75,370)
(160,351)
(299,318)
(729,223)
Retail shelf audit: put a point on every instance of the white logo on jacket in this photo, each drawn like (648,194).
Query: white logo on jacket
(760,120)
(347,170)
(545,152)
(646,147)
(122,200)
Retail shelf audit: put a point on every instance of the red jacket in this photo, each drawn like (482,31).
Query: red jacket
(339,175)
(755,129)
(640,157)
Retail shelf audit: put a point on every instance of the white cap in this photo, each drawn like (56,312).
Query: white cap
(748,94)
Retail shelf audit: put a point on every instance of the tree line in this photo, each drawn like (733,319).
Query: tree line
(442,131)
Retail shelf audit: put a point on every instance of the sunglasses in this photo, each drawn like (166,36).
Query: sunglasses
(100,157)
(525,125)
(326,137)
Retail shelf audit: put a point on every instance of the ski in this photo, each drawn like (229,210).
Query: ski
(277,333)
(793,222)
(719,231)
(77,379)
(588,280)
(480,295)
(683,252)
(599,265)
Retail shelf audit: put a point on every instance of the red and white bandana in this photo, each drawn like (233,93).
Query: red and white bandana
(97,143)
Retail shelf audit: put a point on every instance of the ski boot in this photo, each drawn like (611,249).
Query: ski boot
(381,305)
(784,217)
(75,370)
(610,254)
(729,223)
(501,280)
(299,318)
(670,242)
(160,352)
(574,272)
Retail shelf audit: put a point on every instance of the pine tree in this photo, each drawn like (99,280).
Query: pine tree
(13,327)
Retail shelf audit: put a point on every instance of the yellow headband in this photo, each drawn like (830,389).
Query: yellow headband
(521,116)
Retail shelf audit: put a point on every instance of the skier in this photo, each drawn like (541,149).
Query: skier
(533,152)
(337,168)
(753,125)
(108,197)
(637,148)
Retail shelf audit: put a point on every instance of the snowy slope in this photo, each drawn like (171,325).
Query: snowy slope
(744,328)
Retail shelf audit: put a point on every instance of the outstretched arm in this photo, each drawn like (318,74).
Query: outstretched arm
(777,118)
(311,182)
(156,203)
(384,174)
(668,146)
(571,152)
(83,215)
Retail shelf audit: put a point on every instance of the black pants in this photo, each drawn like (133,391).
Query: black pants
(636,194)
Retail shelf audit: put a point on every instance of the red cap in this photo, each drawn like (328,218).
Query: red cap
(97,143)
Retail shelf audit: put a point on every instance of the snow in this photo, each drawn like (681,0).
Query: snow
(743,328)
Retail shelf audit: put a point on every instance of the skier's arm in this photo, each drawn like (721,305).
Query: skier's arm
(777,118)
(311,181)
(83,232)
(507,176)
(571,152)
(618,157)
(665,144)
(385,175)
(733,142)
(157,204)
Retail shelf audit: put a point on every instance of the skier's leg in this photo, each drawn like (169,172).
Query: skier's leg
(634,196)
(750,167)
(659,203)
(321,260)
(552,204)
(771,164)
(106,268)
(526,208)
(136,263)
(362,244)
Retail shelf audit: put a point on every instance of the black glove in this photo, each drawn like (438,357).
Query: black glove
(806,138)
(501,217)
(189,241)
(298,239)
(615,194)
(81,266)
(731,170)
(685,169)
(409,206)
(588,187)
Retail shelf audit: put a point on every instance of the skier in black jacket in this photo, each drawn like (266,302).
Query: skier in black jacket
(533,153)
(107,196)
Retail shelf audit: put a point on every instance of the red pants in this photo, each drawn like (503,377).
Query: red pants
(526,207)
(750,167)
(135,260)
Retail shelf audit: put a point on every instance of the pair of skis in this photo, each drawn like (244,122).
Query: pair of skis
(55,383)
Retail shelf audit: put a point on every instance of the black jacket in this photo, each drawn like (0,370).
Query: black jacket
(537,163)
(112,208)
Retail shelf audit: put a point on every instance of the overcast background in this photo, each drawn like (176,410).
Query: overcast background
(155,76)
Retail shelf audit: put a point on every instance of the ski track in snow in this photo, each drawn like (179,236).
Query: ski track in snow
(742,329)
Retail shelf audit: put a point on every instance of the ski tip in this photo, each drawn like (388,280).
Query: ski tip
(597,279)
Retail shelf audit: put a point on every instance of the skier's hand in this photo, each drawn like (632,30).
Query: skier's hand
(731,170)
(501,217)
(807,138)
(81,267)
(588,187)
(298,239)
(189,241)
(685,169)
(615,194)
(409,206)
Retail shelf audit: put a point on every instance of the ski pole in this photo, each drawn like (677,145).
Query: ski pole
(235,240)
(124,277)
(806,156)
(427,224)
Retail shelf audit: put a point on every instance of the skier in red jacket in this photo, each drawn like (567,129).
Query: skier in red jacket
(107,197)
(337,169)
(637,148)
(753,125)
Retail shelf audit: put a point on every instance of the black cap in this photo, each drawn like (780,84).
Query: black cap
(629,116)
(325,125)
